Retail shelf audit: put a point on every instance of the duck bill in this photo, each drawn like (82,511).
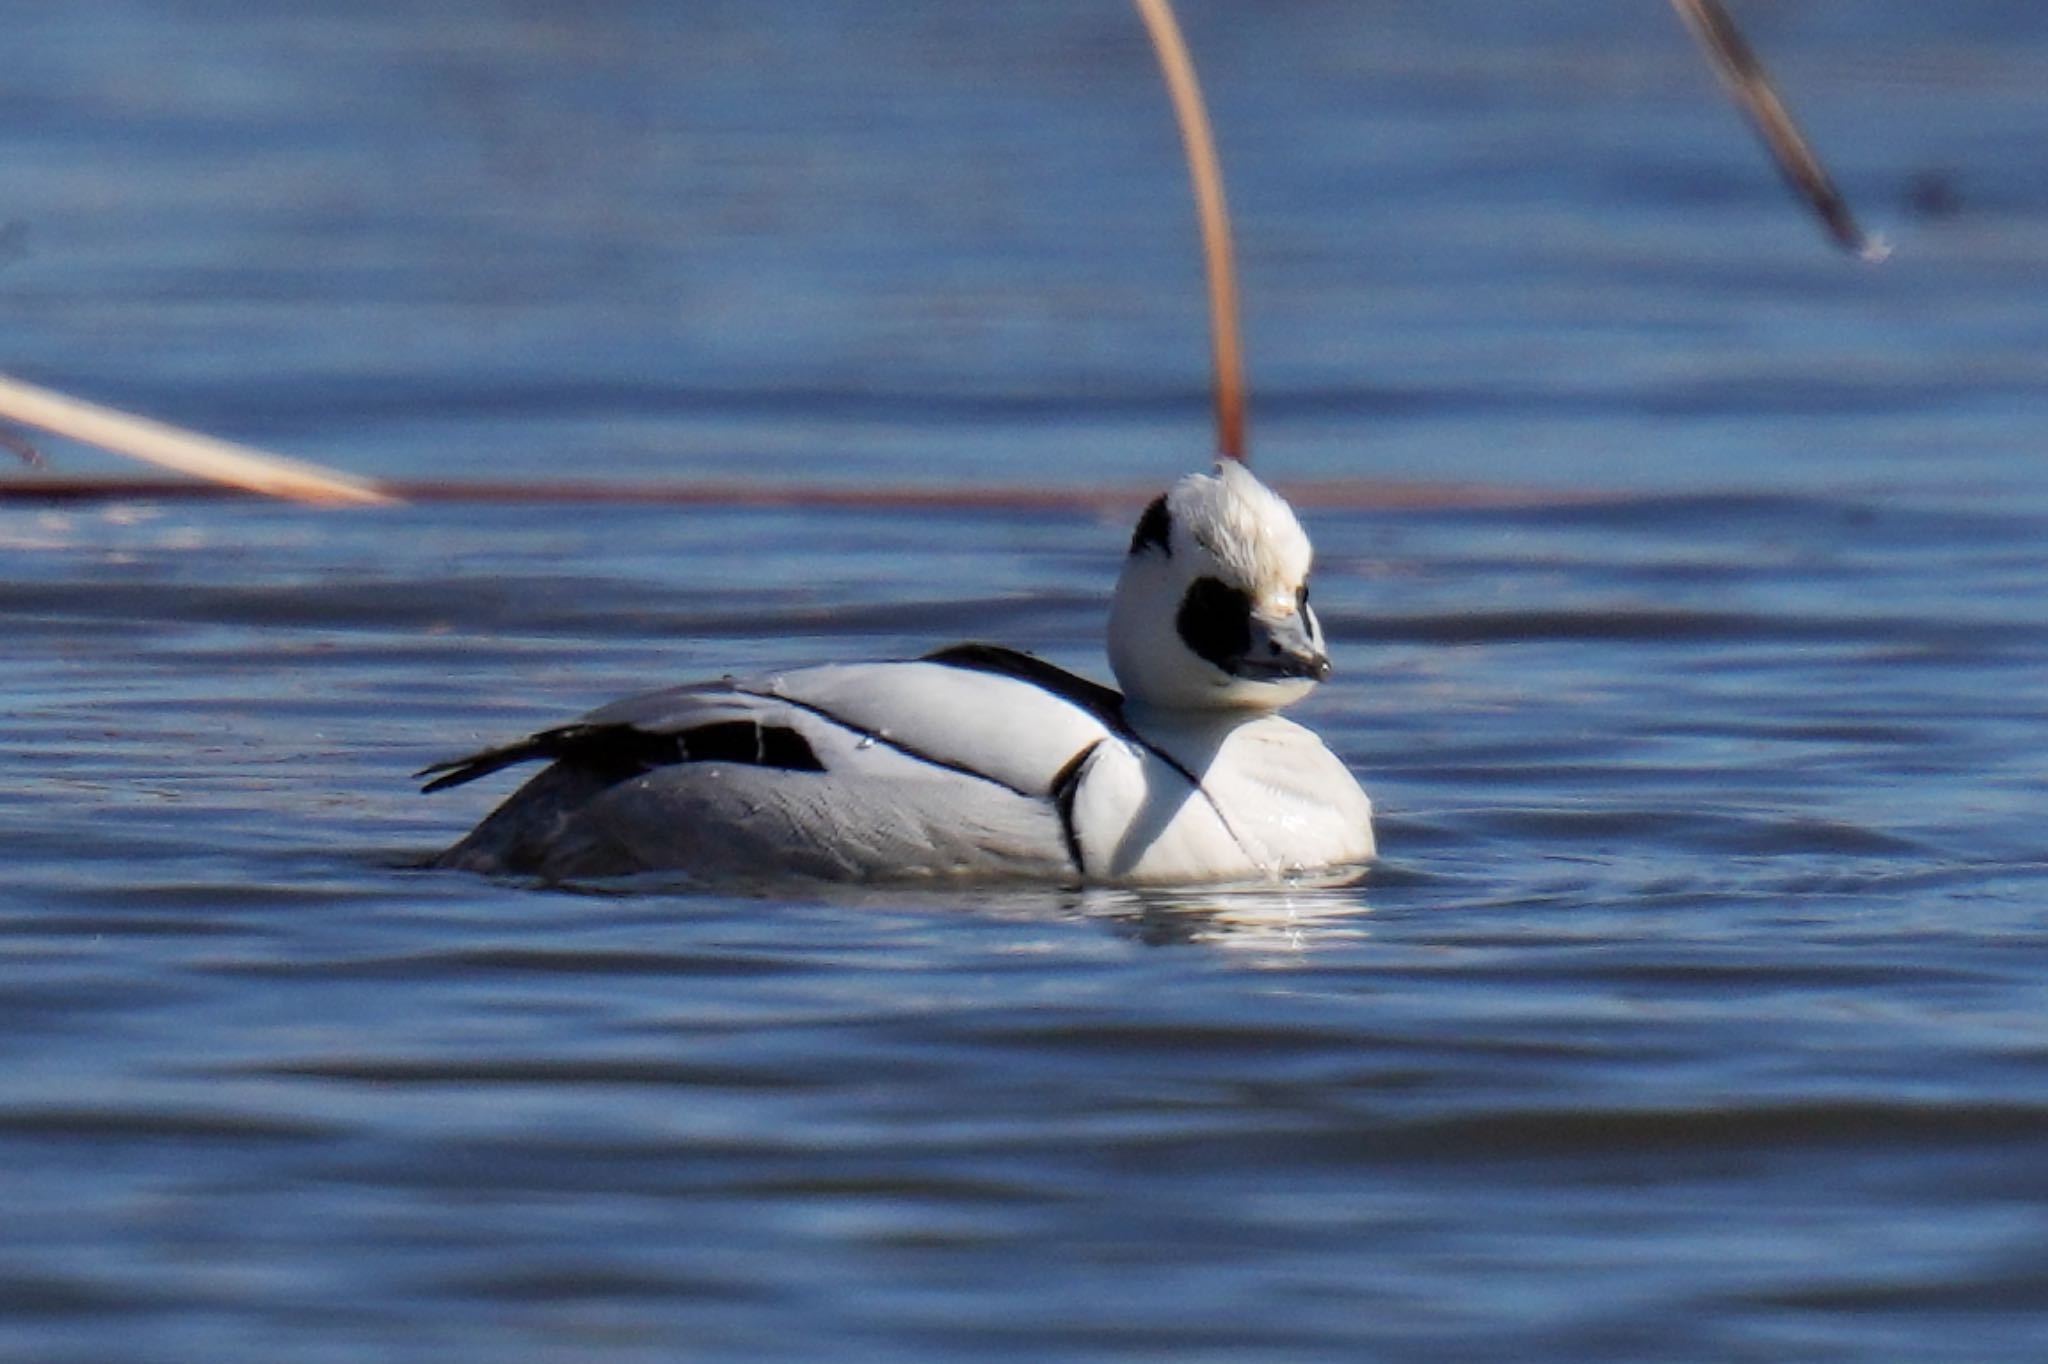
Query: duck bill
(1283,649)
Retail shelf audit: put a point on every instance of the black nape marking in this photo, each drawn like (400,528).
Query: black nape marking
(1215,621)
(1155,528)
(619,752)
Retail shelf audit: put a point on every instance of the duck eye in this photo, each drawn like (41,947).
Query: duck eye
(1215,621)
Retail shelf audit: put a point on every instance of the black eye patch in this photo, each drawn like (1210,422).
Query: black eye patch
(1215,621)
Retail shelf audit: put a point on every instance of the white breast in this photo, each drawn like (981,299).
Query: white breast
(1268,800)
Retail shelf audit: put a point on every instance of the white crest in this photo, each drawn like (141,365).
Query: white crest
(1248,528)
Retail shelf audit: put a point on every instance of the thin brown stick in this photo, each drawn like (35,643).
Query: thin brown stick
(1214,214)
(1115,502)
(1744,77)
(186,451)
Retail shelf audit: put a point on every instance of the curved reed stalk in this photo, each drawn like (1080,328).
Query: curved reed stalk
(186,451)
(241,466)
(1744,77)
(1203,166)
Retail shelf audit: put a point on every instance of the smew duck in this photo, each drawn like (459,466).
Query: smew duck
(978,761)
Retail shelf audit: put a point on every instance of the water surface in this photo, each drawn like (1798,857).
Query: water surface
(1695,1012)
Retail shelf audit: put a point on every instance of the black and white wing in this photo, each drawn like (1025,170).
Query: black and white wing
(951,765)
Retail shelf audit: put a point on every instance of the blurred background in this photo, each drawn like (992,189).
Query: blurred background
(1684,582)
(921,242)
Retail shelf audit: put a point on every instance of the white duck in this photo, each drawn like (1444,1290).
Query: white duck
(978,761)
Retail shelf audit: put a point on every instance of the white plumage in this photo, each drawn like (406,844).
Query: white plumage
(978,761)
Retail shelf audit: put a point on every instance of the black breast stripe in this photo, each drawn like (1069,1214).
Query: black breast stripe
(1200,790)
(1065,788)
(1105,703)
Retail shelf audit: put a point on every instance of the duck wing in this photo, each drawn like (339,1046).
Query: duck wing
(961,764)
(976,709)
(712,722)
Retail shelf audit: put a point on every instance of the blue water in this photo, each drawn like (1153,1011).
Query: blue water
(1696,1012)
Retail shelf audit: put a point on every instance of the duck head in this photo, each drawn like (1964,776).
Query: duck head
(1211,611)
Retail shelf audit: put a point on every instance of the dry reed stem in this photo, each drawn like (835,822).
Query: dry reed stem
(1744,77)
(1214,215)
(1114,503)
(186,451)
(240,466)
